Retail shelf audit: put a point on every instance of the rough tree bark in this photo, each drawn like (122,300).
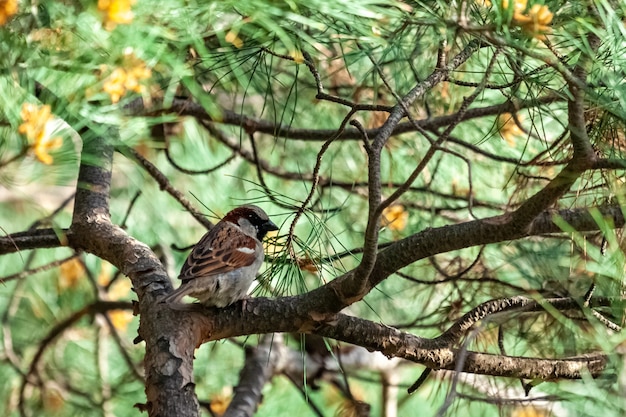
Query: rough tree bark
(169,342)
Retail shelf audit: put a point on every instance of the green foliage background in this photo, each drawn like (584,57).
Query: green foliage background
(64,46)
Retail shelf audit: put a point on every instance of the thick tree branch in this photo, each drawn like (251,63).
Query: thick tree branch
(454,334)
(314,312)
(262,315)
(169,355)
(32,239)
(355,286)
(480,232)
(186,107)
(260,366)
(394,343)
(583,157)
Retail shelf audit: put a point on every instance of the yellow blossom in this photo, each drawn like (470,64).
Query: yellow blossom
(116,11)
(114,86)
(104,277)
(7,9)
(42,148)
(126,78)
(297,56)
(71,273)
(120,319)
(508,128)
(395,218)
(518,5)
(36,128)
(535,22)
(117,290)
(234,39)
(221,400)
(35,119)
(120,289)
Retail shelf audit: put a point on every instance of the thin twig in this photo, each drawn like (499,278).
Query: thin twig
(32,271)
(165,184)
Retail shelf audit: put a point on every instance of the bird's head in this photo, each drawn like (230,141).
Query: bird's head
(252,220)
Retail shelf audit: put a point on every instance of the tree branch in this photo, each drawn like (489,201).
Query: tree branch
(260,366)
(185,107)
(32,239)
(262,315)
(169,352)
(165,185)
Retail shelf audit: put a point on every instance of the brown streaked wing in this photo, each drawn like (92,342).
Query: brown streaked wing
(217,253)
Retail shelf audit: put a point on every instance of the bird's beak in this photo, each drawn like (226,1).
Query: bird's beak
(268,226)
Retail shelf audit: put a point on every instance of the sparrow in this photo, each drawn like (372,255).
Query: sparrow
(221,267)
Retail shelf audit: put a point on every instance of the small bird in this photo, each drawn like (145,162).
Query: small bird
(223,264)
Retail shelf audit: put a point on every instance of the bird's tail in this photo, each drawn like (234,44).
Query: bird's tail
(176,296)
